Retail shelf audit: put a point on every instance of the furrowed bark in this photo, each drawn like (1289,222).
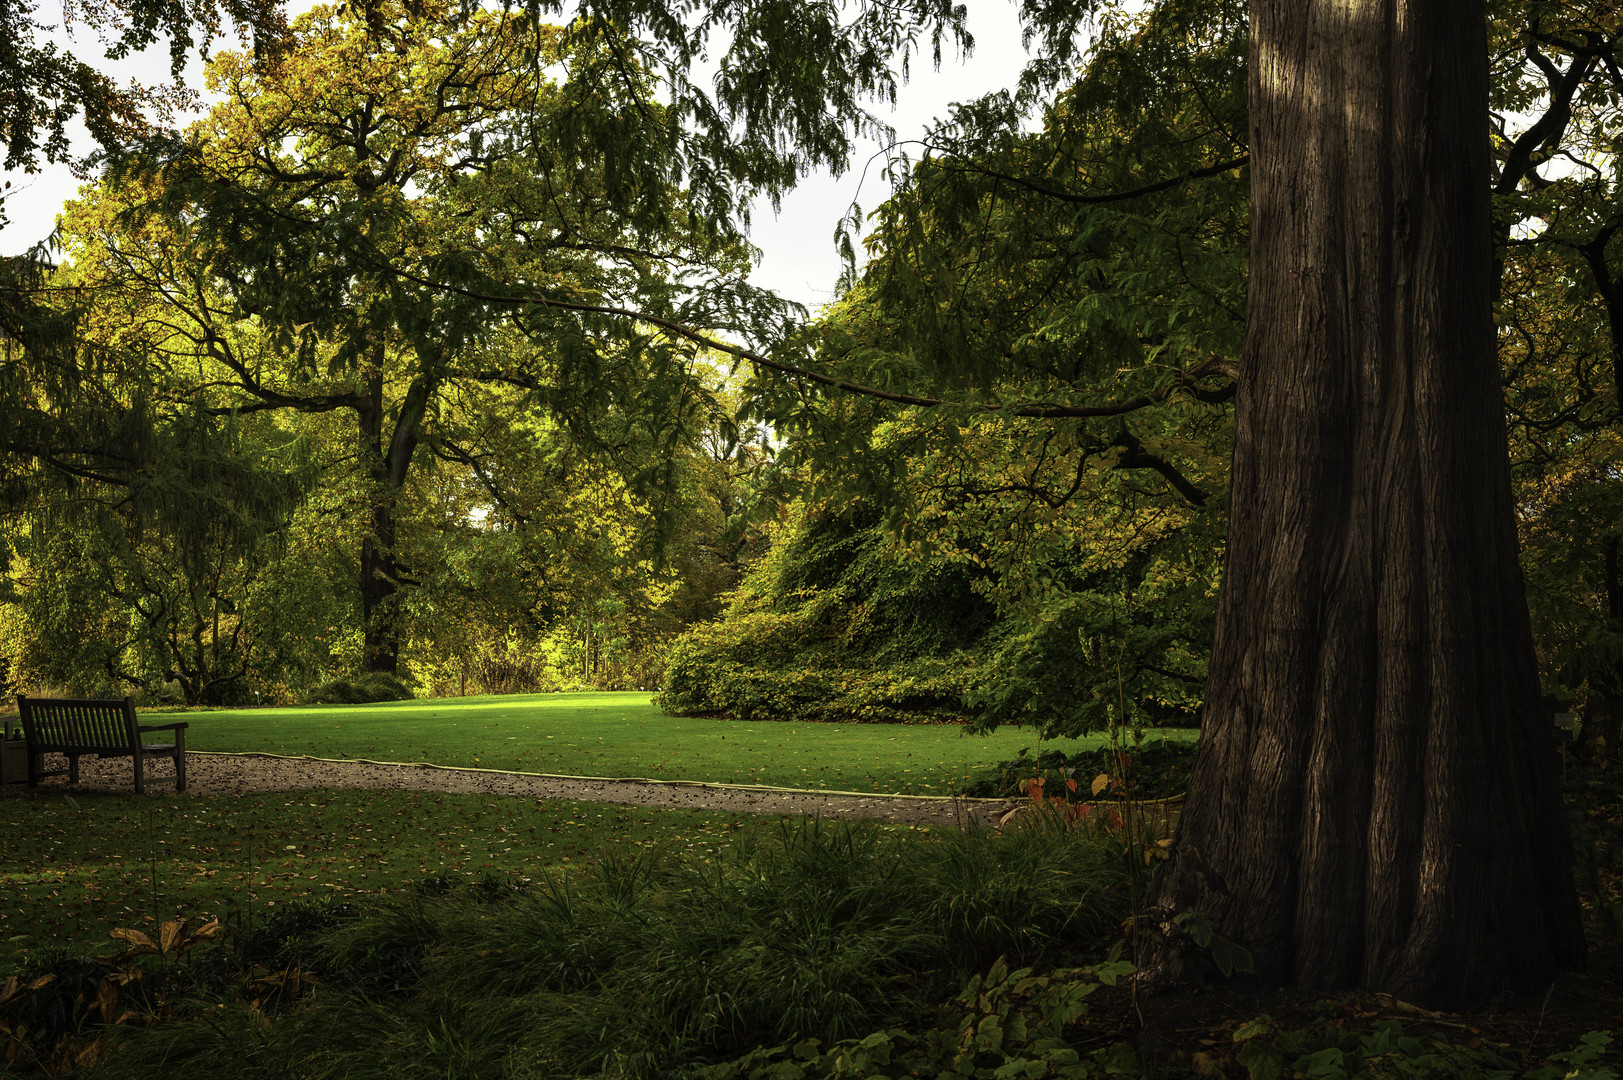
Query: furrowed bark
(1375,802)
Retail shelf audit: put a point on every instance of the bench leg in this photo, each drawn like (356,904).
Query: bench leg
(140,786)
(180,762)
(73,768)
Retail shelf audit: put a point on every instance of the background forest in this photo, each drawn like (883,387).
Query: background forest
(416,367)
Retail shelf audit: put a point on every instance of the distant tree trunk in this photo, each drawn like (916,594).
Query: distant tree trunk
(382,575)
(379,575)
(1603,718)
(1375,799)
(378,588)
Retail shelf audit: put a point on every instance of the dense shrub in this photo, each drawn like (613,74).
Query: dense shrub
(363,689)
(831,626)
(710,671)
(837,622)
(1155,768)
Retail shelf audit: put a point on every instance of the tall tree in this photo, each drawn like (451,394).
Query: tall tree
(1562,314)
(1374,803)
(292,250)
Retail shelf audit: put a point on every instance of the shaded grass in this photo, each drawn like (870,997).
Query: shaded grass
(623,734)
(72,868)
(645,964)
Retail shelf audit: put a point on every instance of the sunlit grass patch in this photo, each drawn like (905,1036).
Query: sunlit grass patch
(624,735)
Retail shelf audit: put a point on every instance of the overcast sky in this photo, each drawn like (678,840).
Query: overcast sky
(798,255)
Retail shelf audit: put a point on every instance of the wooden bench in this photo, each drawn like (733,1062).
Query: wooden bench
(79,726)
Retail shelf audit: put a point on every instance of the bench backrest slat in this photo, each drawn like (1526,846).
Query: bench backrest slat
(81,722)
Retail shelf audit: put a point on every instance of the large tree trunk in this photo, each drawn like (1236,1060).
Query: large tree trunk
(1375,799)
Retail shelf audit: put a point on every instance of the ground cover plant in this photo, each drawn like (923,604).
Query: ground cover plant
(75,867)
(640,964)
(806,950)
(1156,767)
(623,735)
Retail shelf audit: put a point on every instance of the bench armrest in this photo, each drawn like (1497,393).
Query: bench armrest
(161,727)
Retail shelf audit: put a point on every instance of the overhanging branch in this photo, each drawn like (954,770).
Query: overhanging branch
(1031,410)
(1110,196)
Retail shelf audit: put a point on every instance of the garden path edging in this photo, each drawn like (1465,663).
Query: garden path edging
(209,773)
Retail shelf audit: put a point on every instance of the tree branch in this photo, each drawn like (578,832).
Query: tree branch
(1136,457)
(1548,130)
(1112,196)
(1034,410)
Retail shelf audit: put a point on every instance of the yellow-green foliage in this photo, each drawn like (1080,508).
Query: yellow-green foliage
(833,625)
(846,620)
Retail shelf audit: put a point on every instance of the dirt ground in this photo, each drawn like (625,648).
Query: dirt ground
(242,774)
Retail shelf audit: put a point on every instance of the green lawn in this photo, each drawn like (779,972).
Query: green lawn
(74,867)
(623,735)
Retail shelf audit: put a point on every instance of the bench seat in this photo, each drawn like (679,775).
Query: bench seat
(77,727)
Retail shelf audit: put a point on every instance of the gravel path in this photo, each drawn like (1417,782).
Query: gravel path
(242,774)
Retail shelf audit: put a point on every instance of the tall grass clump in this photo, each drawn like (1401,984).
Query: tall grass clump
(653,964)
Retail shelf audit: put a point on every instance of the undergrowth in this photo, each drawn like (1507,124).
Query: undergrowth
(366,688)
(1154,767)
(1594,801)
(818,952)
(638,966)
(815,952)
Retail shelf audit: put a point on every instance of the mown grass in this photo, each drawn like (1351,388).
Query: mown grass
(624,735)
(74,867)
